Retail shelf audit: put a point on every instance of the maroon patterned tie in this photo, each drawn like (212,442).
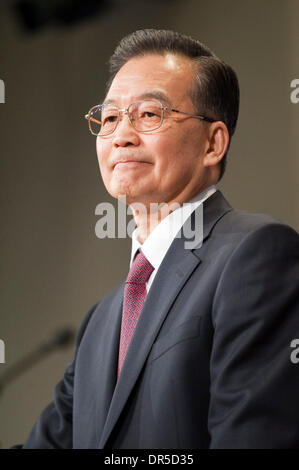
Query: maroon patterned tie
(134,295)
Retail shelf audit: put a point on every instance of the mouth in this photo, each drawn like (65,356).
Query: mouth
(129,164)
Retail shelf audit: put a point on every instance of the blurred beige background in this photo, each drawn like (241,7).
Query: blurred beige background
(53,268)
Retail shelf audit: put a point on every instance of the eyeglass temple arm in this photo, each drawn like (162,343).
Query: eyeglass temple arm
(92,119)
(199,116)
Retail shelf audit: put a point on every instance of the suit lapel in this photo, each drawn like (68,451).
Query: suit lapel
(107,356)
(175,270)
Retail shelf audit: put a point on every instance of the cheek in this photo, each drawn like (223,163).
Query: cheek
(100,150)
(171,156)
(102,154)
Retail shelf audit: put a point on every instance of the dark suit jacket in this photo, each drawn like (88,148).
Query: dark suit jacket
(209,362)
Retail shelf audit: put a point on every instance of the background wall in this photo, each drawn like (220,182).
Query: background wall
(53,268)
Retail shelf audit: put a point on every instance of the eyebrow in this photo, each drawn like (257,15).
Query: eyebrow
(156,94)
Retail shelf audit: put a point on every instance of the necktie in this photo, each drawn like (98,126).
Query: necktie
(134,296)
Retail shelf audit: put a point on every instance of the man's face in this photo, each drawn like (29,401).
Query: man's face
(165,165)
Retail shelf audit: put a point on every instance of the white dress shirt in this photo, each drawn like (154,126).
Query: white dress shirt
(158,242)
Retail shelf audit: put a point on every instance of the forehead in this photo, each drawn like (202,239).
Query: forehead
(170,75)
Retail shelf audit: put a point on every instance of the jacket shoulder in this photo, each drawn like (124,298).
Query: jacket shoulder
(243,222)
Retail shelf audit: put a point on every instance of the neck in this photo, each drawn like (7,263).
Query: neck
(148,216)
(148,219)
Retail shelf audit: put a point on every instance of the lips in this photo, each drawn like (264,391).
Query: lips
(128,162)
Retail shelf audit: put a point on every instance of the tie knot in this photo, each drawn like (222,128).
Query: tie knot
(141,270)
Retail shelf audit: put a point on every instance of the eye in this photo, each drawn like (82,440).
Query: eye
(148,114)
(109,118)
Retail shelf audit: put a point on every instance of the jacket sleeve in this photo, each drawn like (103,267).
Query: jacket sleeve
(54,427)
(254,384)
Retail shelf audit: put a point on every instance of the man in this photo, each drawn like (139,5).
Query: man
(193,351)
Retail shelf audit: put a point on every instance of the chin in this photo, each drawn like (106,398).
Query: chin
(119,190)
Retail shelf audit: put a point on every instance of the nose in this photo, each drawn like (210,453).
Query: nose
(125,134)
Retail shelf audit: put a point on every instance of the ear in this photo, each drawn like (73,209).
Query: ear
(217,143)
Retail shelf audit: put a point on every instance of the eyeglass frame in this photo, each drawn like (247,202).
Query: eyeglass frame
(125,111)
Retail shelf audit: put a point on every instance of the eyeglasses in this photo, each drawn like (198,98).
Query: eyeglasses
(145,116)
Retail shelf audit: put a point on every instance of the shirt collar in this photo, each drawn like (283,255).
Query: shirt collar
(158,242)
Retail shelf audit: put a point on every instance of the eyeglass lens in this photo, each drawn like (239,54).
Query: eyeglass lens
(145,116)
